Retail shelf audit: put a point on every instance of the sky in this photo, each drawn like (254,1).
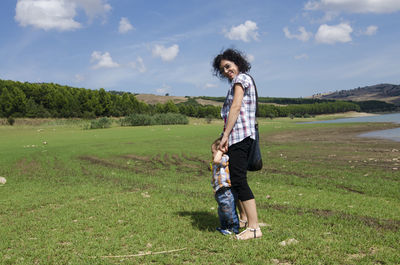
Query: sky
(296,48)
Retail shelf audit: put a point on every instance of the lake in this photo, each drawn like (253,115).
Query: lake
(392,134)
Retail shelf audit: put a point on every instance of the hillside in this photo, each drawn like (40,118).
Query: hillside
(154,99)
(383,92)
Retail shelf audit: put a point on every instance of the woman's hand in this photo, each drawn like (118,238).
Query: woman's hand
(218,157)
(223,146)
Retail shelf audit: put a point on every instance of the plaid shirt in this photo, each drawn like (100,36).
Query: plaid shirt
(245,123)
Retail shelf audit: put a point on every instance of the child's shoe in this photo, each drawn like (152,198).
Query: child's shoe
(224,231)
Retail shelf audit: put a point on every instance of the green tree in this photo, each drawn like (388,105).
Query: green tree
(170,107)
(6,102)
(105,102)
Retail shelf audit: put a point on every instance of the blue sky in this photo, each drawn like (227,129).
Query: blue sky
(296,48)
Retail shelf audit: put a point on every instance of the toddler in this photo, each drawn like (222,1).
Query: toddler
(221,183)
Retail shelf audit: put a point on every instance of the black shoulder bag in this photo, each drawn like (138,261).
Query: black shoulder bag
(255,159)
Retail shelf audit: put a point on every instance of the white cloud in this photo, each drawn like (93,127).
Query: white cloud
(250,58)
(79,78)
(138,65)
(166,54)
(125,25)
(103,60)
(301,56)
(94,8)
(329,16)
(56,14)
(209,85)
(45,14)
(354,6)
(244,32)
(303,35)
(332,34)
(165,88)
(371,30)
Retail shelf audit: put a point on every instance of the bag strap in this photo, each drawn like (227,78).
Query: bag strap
(255,87)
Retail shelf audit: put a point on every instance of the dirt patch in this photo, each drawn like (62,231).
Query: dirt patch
(136,157)
(111,164)
(144,164)
(177,159)
(335,134)
(349,114)
(102,162)
(196,159)
(167,159)
(377,223)
(349,189)
(28,167)
(337,146)
(157,159)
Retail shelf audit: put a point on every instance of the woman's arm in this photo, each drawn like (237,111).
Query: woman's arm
(233,115)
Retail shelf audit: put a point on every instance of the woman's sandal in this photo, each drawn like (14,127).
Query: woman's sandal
(242,223)
(249,233)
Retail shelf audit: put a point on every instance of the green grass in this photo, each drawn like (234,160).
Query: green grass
(74,196)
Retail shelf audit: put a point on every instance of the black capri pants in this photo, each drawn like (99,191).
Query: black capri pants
(238,156)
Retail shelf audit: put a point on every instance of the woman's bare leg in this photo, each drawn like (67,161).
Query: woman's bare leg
(242,215)
(253,230)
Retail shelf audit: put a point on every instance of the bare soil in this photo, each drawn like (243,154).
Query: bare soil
(376,223)
(334,146)
(145,164)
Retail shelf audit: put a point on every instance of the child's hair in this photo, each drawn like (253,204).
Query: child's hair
(216,143)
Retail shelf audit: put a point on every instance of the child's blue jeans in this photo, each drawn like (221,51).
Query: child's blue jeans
(227,210)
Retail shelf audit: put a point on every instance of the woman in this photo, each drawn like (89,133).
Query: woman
(238,113)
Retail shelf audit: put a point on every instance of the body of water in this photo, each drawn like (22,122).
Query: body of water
(391,134)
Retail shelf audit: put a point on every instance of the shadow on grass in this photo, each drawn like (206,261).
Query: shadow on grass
(202,220)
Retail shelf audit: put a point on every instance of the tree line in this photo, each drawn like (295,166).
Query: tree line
(305,110)
(315,106)
(49,100)
(282,101)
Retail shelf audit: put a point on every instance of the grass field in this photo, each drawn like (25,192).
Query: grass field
(142,195)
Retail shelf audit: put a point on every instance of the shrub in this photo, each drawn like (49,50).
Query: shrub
(270,115)
(170,118)
(208,119)
(10,120)
(136,120)
(88,115)
(157,119)
(100,123)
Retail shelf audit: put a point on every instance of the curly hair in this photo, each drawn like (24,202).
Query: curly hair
(232,55)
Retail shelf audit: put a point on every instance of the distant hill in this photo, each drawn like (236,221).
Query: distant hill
(383,92)
(154,99)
